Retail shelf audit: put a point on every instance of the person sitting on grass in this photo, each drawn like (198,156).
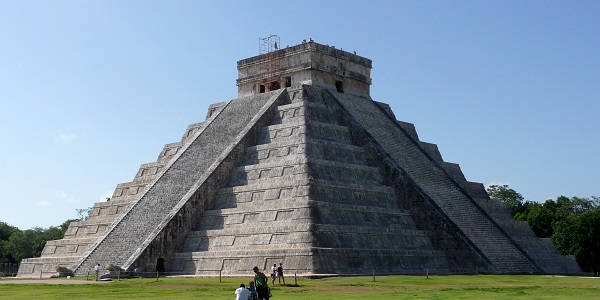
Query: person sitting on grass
(242,293)
(252,290)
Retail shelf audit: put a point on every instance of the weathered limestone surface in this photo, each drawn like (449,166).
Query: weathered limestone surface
(315,175)
(306,196)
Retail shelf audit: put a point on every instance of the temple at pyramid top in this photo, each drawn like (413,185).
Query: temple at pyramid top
(309,63)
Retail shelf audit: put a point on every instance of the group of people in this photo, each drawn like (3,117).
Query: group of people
(243,293)
(259,288)
(277,272)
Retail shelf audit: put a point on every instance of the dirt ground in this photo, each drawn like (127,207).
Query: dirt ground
(48,281)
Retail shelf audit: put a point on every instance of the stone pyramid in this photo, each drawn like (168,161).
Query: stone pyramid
(304,168)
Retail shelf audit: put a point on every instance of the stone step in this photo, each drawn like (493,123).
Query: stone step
(87,230)
(191,130)
(130,189)
(276,132)
(303,261)
(318,168)
(231,218)
(300,202)
(284,154)
(289,112)
(300,210)
(297,186)
(315,148)
(333,151)
(289,233)
(148,171)
(309,112)
(67,247)
(344,172)
(329,132)
(292,186)
(355,194)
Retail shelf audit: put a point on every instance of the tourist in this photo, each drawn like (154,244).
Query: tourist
(280,274)
(242,293)
(97,270)
(273,273)
(262,284)
(252,290)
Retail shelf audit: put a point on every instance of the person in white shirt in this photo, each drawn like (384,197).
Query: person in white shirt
(97,270)
(242,293)
(274,273)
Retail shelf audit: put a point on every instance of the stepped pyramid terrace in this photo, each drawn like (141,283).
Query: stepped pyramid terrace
(303,168)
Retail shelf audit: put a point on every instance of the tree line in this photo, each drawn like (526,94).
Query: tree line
(573,223)
(16,244)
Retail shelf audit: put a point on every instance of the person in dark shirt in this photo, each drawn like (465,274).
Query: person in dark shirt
(262,284)
(280,274)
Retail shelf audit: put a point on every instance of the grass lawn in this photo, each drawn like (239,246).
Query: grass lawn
(385,287)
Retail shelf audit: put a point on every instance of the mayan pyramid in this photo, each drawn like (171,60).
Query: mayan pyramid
(303,168)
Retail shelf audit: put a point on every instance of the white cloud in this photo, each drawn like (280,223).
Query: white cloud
(43,203)
(65,138)
(65,196)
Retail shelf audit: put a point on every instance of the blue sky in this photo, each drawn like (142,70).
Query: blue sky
(89,90)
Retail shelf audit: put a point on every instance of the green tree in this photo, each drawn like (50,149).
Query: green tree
(16,244)
(6,231)
(579,235)
(4,252)
(20,245)
(574,226)
(541,218)
(508,196)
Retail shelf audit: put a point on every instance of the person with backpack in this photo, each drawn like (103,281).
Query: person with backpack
(262,284)
(252,290)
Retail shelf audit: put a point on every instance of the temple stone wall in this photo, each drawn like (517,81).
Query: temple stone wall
(309,63)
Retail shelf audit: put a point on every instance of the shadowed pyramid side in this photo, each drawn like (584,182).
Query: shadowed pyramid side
(460,209)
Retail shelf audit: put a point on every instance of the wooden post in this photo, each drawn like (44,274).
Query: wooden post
(156,275)
(295,279)
(373,274)
(427,271)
